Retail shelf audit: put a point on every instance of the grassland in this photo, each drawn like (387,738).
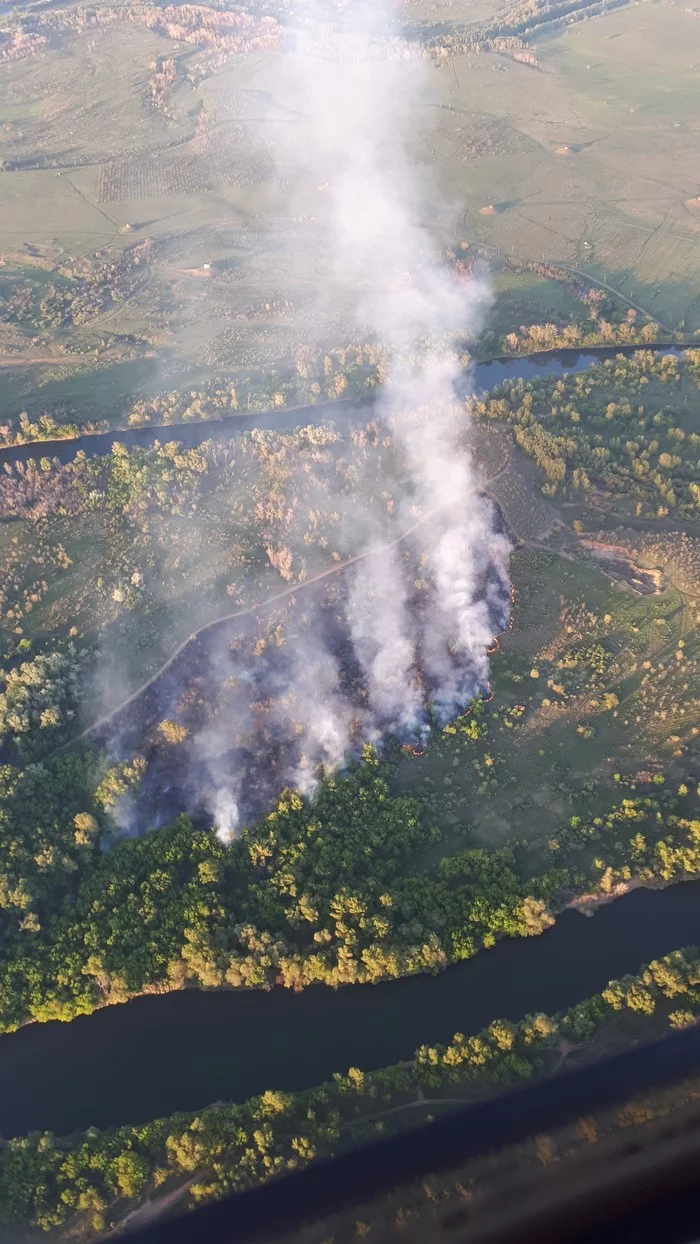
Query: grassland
(608,682)
(604,164)
(598,171)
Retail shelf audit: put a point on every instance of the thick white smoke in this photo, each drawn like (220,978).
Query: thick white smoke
(381,629)
(378,257)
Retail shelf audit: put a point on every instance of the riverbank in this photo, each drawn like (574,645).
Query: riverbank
(478,379)
(178,1051)
(589,904)
(111,1179)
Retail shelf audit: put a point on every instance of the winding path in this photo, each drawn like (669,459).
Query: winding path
(244,613)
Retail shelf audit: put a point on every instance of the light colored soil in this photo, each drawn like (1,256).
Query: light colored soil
(589,903)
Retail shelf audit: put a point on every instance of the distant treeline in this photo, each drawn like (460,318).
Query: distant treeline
(521,21)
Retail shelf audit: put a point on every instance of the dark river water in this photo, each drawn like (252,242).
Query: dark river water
(481,378)
(182,1051)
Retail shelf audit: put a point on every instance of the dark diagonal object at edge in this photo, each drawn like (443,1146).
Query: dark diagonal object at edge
(335,1185)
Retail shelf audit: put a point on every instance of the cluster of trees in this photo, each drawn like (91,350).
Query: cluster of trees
(38,700)
(581,290)
(648,846)
(691,361)
(603,332)
(222,33)
(51,830)
(587,433)
(270,499)
(19,305)
(47,1182)
(46,427)
(345,371)
(20,44)
(161,80)
(313,892)
(80,298)
(126,481)
(521,21)
(582,670)
(23,590)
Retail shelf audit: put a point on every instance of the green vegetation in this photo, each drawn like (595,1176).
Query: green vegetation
(615,691)
(149,544)
(324,892)
(176,906)
(38,697)
(592,436)
(343,372)
(93,1178)
(161,279)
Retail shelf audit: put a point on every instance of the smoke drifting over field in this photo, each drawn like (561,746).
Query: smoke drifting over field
(381,259)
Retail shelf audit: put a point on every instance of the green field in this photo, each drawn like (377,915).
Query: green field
(597,171)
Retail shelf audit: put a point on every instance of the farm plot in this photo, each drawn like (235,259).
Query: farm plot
(145,178)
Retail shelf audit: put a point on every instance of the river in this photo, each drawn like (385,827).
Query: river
(182,1051)
(479,379)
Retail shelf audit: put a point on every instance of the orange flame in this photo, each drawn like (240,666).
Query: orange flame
(413,751)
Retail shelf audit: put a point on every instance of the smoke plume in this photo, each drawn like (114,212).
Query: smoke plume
(419,617)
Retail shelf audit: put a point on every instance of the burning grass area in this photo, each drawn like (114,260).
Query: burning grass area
(284,694)
(587,682)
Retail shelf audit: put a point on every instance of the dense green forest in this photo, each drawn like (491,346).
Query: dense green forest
(326,891)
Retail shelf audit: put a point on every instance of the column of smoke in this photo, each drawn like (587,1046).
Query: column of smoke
(351,84)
